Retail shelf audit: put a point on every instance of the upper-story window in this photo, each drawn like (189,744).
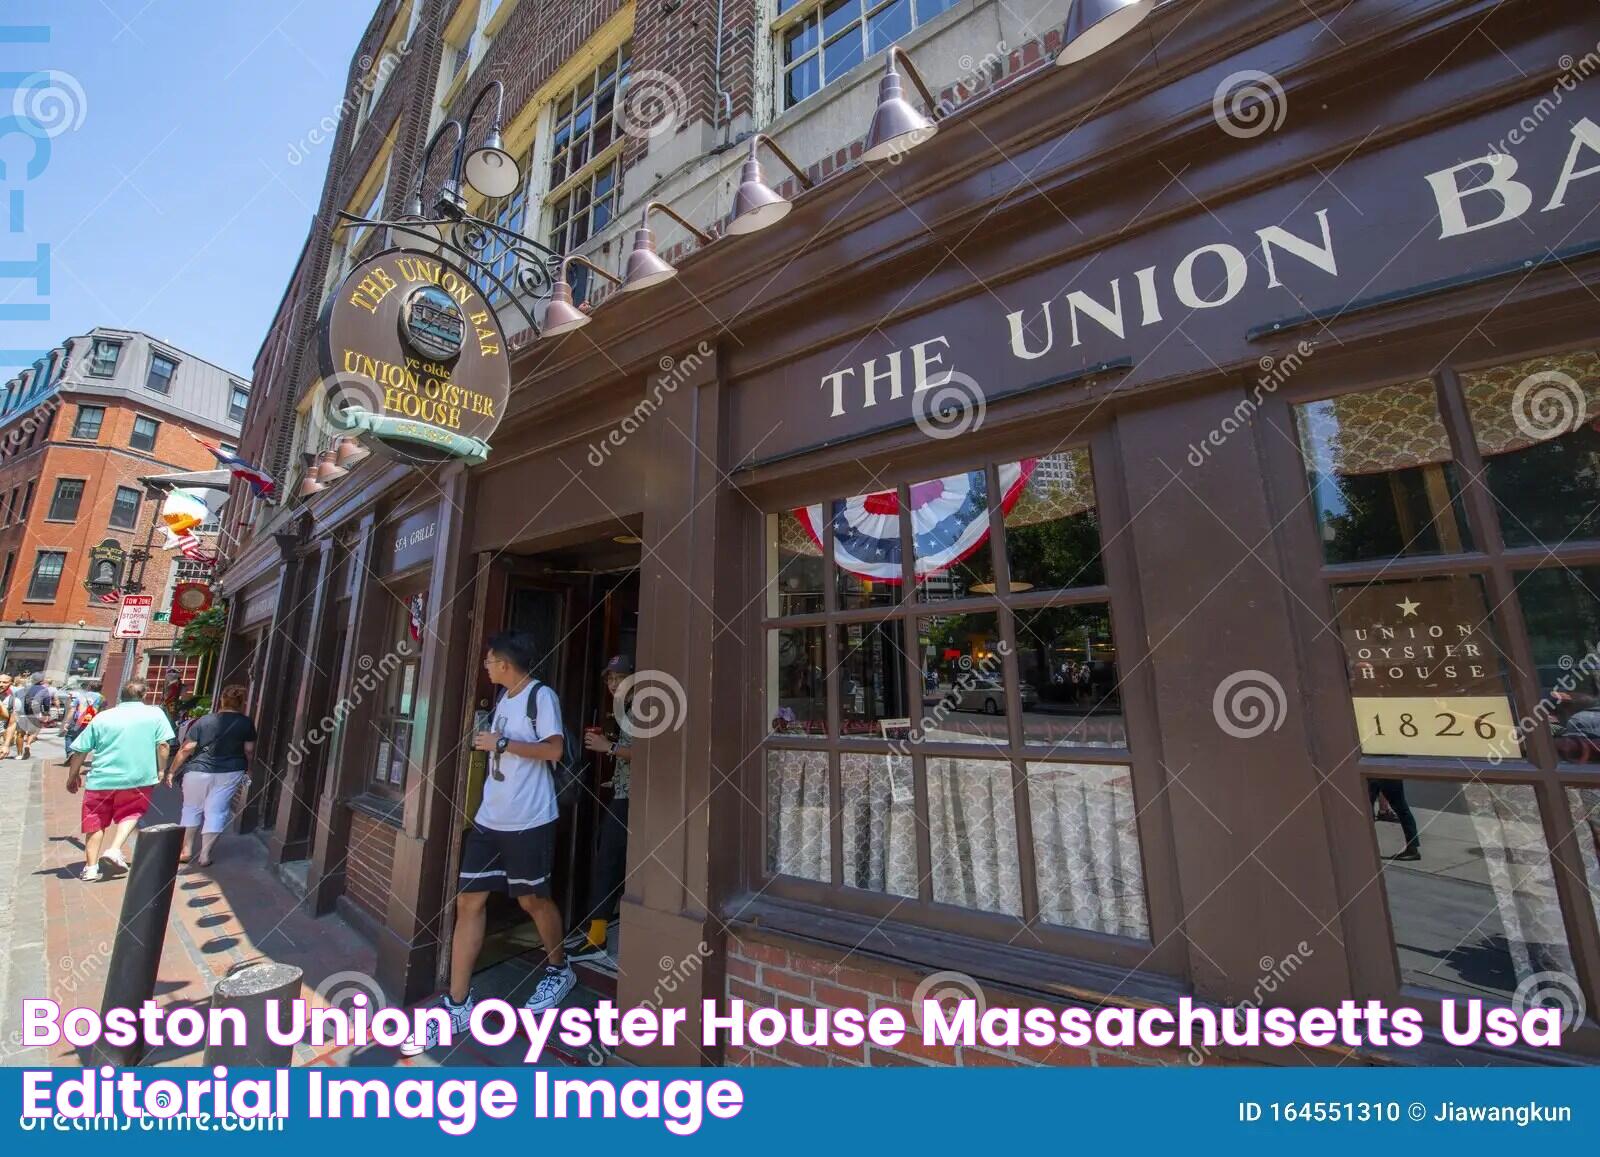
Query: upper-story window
(144,433)
(238,402)
(88,422)
(103,357)
(584,159)
(497,258)
(159,377)
(821,40)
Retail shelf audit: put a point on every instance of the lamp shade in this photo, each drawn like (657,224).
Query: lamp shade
(491,170)
(310,485)
(897,125)
(328,468)
(645,267)
(560,315)
(756,205)
(1096,24)
(349,451)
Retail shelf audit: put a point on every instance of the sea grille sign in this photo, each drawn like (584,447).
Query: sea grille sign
(412,357)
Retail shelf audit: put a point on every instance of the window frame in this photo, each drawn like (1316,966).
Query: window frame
(161,355)
(1161,957)
(34,576)
(99,424)
(94,357)
(133,524)
(608,161)
(386,713)
(235,389)
(811,11)
(155,434)
(50,514)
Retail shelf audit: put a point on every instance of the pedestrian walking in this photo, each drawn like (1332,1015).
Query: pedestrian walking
(32,714)
(128,744)
(511,845)
(614,742)
(213,765)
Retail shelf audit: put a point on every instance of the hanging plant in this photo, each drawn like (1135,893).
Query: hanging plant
(204,633)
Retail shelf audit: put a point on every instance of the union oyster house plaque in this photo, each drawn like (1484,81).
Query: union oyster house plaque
(412,358)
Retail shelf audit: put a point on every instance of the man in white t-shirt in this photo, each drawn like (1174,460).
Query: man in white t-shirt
(510,847)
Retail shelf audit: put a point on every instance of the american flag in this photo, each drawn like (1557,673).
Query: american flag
(111,598)
(189,546)
(260,481)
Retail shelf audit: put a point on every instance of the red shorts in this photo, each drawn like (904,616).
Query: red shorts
(101,809)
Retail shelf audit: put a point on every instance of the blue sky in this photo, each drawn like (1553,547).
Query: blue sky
(177,206)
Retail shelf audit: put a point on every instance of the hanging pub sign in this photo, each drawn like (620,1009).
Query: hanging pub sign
(188,600)
(413,359)
(1426,674)
(105,570)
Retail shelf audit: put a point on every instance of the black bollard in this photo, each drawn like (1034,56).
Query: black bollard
(248,987)
(141,929)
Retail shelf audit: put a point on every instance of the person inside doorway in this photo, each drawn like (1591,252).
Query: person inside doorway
(613,741)
(129,745)
(510,847)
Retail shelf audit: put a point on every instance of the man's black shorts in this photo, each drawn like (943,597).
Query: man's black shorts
(516,863)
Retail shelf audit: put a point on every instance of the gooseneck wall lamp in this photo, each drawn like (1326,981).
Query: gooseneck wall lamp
(756,204)
(1096,24)
(645,266)
(561,316)
(898,125)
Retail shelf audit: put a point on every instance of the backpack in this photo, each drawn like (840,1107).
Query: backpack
(566,773)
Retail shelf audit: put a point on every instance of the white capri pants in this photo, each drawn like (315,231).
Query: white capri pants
(209,795)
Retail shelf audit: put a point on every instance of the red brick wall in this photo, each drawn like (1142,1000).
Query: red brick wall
(775,973)
(369,872)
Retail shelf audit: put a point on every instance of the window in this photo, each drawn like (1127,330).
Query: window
(497,259)
(159,379)
(47,567)
(27,502)
(5,575)
(912,701)
(125,508)
(144,433)
(85,660)
(584,170)
(88,422)
(397,709)
(66,500)
(821,40)
(238,402)
(103,357)
(1473,702)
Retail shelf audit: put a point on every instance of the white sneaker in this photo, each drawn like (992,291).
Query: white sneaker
(90,873)
(118,863)
(460,1021)
(552,988)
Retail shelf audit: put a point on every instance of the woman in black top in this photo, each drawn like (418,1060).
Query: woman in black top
(214,760)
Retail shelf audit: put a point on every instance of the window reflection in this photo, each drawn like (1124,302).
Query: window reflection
(950,535)
(1472,897)
(794,567)
(1585,805)
(866,547)
(1069,677)
(1052,529)
(1537,424)
(873,697)
(1383,480)
(797,681)
(1562,609)
(963,679)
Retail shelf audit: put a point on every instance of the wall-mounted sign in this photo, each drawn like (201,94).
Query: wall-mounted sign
(412,540)
(1426,675)
(188,600)
(105,568)
(133,617)
(412,355)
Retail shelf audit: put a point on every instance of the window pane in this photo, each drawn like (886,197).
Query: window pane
(1427,672)
(878,818)
(972,835)
(1071,692)
(1052,527)
(794,566)
(1086,848)
(963,680)
(800,39)
(841,55)
(928,9)
(1474,907)
(866,549)
(1585,805)
(1382,475)
(838,15)
(950,535)
(88,422)
(872,679)
(46,574)
(125,508)
(797,681)
(801,81)
(797,814)
(1562,610)
(1538,428)
(64,503)
(160,376)
(888,25)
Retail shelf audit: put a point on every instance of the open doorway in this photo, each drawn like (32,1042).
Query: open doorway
(580,606)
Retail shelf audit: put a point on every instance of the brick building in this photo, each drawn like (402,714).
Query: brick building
(731,477)
(78,431)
